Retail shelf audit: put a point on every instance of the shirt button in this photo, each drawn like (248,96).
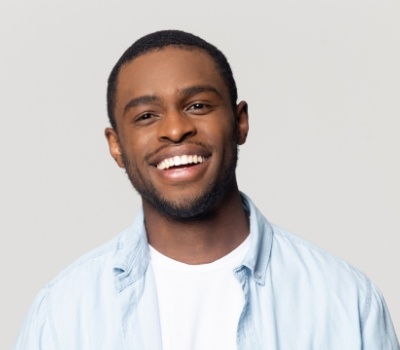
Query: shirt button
(258,275)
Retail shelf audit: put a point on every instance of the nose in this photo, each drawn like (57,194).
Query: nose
(176,127)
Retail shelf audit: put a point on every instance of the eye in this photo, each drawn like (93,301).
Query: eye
(145,116)
(197,106)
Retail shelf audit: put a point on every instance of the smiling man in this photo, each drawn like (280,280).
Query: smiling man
(200,267)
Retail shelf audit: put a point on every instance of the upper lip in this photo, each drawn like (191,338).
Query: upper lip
(179,150)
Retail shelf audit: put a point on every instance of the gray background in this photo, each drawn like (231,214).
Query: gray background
(322,159)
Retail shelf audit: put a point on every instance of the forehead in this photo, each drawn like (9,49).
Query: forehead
(165,71)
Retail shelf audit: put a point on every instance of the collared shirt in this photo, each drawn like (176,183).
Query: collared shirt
(297,297)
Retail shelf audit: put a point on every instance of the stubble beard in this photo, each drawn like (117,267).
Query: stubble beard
(190,208)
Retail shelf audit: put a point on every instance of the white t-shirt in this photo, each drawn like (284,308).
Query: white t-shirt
(199,305)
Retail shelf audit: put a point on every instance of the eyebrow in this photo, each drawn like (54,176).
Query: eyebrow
(185,93)
(194,90)
(140,101)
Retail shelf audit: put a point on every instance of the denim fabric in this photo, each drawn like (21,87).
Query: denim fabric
(298,297)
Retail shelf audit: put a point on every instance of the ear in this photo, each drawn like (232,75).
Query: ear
(242,122)
(114,147)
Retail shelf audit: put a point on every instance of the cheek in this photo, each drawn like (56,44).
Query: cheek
(224,135)
(137,144)
(219,128)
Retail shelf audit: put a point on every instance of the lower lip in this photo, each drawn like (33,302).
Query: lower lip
(183,174)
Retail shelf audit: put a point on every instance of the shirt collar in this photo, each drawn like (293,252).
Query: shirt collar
(132,257)
(258,256)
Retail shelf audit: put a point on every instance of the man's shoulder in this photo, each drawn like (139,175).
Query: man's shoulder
(94,265)
(291,259)
(83,294)
(314,292)
(305,248)
(300,257)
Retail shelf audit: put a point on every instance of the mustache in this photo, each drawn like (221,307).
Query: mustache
(159,149)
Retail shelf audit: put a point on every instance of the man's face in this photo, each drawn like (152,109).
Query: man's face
(177,130)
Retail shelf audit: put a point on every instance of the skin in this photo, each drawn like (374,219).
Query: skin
(173,101)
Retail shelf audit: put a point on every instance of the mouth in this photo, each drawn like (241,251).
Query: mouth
(180,161)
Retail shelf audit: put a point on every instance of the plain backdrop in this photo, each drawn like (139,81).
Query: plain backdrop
(322,80)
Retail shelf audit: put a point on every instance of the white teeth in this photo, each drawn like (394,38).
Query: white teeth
(184,160)
(177,160)
(180,160)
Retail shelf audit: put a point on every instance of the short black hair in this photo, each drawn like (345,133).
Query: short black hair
(159,40)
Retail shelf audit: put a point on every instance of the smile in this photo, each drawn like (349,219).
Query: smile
(180,160)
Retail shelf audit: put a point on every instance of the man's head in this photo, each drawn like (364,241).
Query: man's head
(159,40)
(177,127)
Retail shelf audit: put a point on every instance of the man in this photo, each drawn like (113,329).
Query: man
(200,268)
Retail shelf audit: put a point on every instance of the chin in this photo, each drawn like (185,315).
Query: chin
(187,207)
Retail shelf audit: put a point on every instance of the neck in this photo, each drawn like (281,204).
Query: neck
(202,240)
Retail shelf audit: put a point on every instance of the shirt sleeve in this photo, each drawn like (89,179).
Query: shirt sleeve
(37,332)
(378,330)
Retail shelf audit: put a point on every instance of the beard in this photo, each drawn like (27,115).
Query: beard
(190,208)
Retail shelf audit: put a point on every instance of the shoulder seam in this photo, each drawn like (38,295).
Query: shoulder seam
(50,318)
(367,306)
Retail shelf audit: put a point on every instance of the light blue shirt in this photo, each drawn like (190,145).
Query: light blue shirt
(297,297)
